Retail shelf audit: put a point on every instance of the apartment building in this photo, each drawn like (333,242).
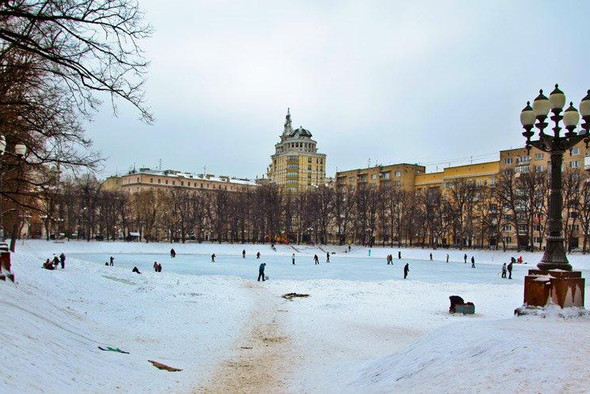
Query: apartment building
(398,175)
(150,179)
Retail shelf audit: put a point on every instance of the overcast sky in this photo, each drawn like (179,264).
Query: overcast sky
(430,82)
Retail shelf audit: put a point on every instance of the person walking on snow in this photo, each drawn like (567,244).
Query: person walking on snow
(213,258)
(406,270)
(430,256)
(62,260)
(472,262)
(399,255)
(244,253)
(257,255)
(447,257)
(510,270)
(504,270)
(465,258)
(172,253)
(293,258)
(316,260)
(327,257)
(112,261)
(261,272)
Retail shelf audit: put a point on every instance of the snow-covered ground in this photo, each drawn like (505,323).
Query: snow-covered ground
(363,328)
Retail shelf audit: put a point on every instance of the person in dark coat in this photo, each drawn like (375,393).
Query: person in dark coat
(159,267)
(261,272)
(257,255)
(399,255)
(509,270)
(316,260)
(55,261)
(155,266)
(504,270)
(172,253)
(455,300)
(406,270)
(465,258)
(213,258)
(327,257)
(447,257)
(293,258)
(472,262)
(112,260)
(135,270)
(62,260)
(244,253)
(430,256)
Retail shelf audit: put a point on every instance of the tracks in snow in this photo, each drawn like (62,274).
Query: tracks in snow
(263,357)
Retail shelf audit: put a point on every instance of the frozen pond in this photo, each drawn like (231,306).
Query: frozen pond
(341,267)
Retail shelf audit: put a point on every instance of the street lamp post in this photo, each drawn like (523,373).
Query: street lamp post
(554,265)
(20,150)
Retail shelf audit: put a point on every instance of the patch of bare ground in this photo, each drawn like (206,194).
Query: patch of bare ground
(263,358)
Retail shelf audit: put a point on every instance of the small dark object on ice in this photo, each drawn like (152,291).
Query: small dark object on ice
(112,349)
(290,296)
(164,366)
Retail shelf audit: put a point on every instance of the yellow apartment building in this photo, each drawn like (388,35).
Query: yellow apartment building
(297,165)
(398,175)
(483,174)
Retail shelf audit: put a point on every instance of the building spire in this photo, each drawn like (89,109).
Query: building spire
(288,129)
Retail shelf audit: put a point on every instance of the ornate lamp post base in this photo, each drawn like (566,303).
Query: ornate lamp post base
(553,287)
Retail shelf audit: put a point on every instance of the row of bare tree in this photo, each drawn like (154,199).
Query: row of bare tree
(58,61)
(512,212)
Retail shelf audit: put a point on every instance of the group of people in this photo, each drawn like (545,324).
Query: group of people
(53,264)
(472,260)
(157,266)
(508,268)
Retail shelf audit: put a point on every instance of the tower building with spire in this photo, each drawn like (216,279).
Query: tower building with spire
(297,165)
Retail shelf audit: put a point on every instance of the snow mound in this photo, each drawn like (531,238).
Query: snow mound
(475,357)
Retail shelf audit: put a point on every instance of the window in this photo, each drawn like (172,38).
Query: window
(538,240)
(574,164)
(524,159)
(508,160)
(575,151)
(539,156)
(159,180)
(539,168)
(373,176)
(166,181)
(522,169)
(309,167)
(397,183)
(522,228)
(386,175)
(398,173)
(508,240)
(507,227)
(151,180)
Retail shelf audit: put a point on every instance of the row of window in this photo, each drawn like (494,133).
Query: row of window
(538,156)
(194,184)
